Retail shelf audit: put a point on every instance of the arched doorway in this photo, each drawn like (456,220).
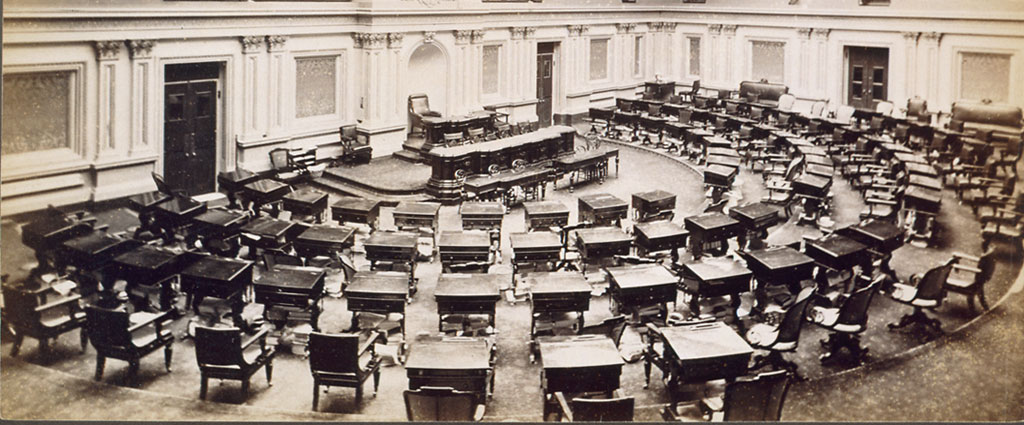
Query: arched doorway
(427,73)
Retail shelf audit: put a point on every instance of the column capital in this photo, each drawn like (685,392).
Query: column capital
(108,49)
(139,49)
(624,28)
(729,29)
(933,37)
(655,26)
(714,28)
(428,37)
(804,32)
(395,40)
(251,43)
(821,33)
(578,30)
(369,40)
(517,32)
(462,36)
(275,43)
(476,36)
(530,31)
(669,26)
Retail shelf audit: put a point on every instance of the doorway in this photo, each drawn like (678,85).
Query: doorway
(545,81)
(191,102)
(867,76)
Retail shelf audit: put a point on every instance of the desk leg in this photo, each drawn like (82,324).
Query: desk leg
(694,305)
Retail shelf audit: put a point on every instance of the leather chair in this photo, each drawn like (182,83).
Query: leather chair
(617,408)
(612,327)
(783,337)
(442,404)
(970,274)
(846,322)
(283,170)
(340,361)
(926,294)
(26,315)
(353,152)
(222,354)
(419,107)
(746,399)
(114,336)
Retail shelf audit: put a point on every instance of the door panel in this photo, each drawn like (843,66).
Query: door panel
(545,85)
(868,76)
(190,135)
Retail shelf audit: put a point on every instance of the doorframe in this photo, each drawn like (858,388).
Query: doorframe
(845,81)
(557,88)
(225,151)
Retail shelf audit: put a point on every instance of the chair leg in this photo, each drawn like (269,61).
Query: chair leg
(133,373)
(203,385)
(245,389)
(359,392)
(270,371)
(981,297)
(100,362)
(316,395)
(376,381)
(83,339)
(18,339)
(168,352)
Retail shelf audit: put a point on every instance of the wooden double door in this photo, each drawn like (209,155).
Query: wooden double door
(867,76)
(191,96)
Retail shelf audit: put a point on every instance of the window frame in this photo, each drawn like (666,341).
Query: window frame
(607,58)
(750,56)
(498,71)
(638,47)
(958,69)
(689,55)
(330,119)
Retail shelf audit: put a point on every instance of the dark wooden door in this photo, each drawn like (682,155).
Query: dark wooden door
(867,76)
(545,82)
(190,135)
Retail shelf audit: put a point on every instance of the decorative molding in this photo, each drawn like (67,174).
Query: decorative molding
(714,28)
(655,26)
(517,32)
(578,30)
(428,37)
(932,36)
(804,32)
(139,49)
(477,36)
(625,28)
(368,40)
(530,31)
(108,49)
(251,43)
(821,33)
(275,43)
(669,26)
(911,37)
(462,36)
(395,40)
(729,29)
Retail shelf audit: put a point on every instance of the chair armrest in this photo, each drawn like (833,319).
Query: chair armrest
(880,201)
(260,336)
(712,404)
(153,320)
(563,405)
(962,267)
(62,302)
(962,256)
(368,345)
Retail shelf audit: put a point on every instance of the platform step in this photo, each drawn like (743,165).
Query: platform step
(345,189)
(408,155)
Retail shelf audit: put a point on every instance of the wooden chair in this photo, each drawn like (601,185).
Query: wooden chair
(927,293)
(114,336)
(970,279)
(222,354)
(750,399)
(352,150)
(340,361)
(475,135)
(617,408)
(846,322)
(844,114)
(783,337)
(26,315)
(442,404)
(452,139)
(282,168)
(419,107)
(612,327)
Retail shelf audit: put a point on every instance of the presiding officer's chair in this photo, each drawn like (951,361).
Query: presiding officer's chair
(419,107)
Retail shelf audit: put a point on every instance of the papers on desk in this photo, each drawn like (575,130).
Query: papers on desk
(64,287)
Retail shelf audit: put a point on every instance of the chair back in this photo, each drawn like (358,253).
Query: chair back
(685,115)
(854,311)
(347,132)
(987,265)
(817,108)
(107,329)
(877,123)
(439,404)
(695,87)
(756,113)
(720,122)
(794,167)
(700,102)
(786,102)
(884,107)
(218,346)
(612,327)
(793,320)
(756,398)
(161,185)
(917,107)
(279,159)
(418,103)
(932,284)
(20,309)
(337,353)
(618,409)
(271,258)
(731,108)
(845,113)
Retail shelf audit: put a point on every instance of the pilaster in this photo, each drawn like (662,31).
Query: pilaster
(143,94)
(276,96)
(910,55)
(819,41)
(807,76)
(929,82)
(715,61)
(107,54)
(732,72)
(253,105)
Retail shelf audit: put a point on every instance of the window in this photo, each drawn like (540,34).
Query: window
(637,54)
(37,112)
(599,59)
(490,65)
(694,55)
(982,76)
(315,86)
(768,61)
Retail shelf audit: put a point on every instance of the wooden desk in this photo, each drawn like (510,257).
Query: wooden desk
(93,251)
(714,277)
(659,235)
(602,209)
(416,215)
(543,214)
(460,363)
(391,247)
(920,169)
(593,164)
(481,215)
(46,234)
(837,252)
(234,182)
(910,157)
(460,247)
(710,228)
(218,277)
(755,217)
(878,235)
(324,240)
(356,210)
(925,182)
(377,292)
(557,292)
(458,293)
(268,233)
(585,363)
(697,353)
(778,266)
(599,243)
(535,247)
(176,214)
(290,287)
(652,203)
(812,186)
(148,265)
(263,192)
(218,224)
(306,202)
(634,287)
(922,199)
(720,175)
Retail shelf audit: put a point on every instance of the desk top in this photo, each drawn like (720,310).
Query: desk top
(813,181)
(711,269)
(146,257)
(307,196)
(392,239)
(461,354)
(819,160)
(710,221)
(356,204)
(836,246)
(660,229)
(48,225)
(495,145)
(598,235)
(267,226)
(722,171)
(319,233)
(779,258)
(811,150)
(921,193)
(470,285)
(654,196)
(583,157)
(464,238)
(598,201)
(290,277)
(219,217)
(724,152)
(908,157)
(557,283)
(532,240)
(580,352)
(417,208)
(221,269)
(704,341)
(481,208)
(875,232)
(382,283)
(93,243)
(265,186)
(641,276)
(545,207)
(925,181)
(922,169)
(238,176)
(181,206)
(755,211)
